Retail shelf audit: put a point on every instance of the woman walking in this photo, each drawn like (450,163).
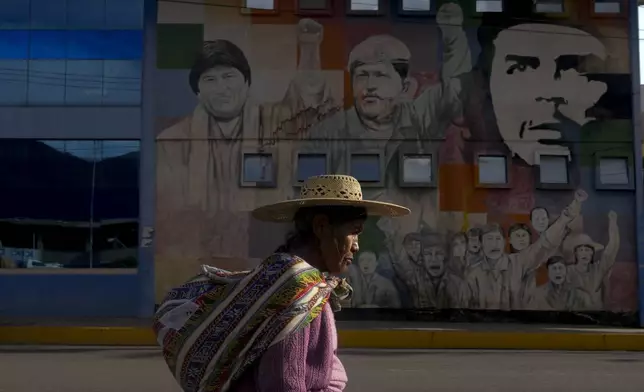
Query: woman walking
(272,328)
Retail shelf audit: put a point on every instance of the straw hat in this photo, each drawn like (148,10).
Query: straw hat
(574,240)
(327,190)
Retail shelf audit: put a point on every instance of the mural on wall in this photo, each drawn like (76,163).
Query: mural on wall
(344,86)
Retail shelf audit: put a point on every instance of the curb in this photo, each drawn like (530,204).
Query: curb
(350,338)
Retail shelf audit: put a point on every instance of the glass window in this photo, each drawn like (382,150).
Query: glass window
(13,82)
(86,14)
(549,6)
(260,4)
(14,14)
(607,7)
(366,167)
(14,44)
(489,6)
(613,171)
(258,168)
(69,203)
(48,14)
(124,14)
(553,169)
(85,44)
(122,45)
(416,5)
(46,82)
(48,44)
(417,169)
(309,165)
(492,169)
(84,82)
(365,5)
(121,82)
(313,4)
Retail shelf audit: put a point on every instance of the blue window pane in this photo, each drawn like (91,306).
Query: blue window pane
(47,44)
(124,14)
(366,167)
(86,14)
(14,44)
(14,14)
(121,82)
(48,14)
(309,165)
(258,167)
(13,82)
(46,82)
(123,44)
(84,82)
(85,44)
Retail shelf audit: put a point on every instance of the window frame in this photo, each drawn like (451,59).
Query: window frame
(599,15)
(272,182)
(570,184)
(327,11)
(567,5)
(401,169)
(296,160)
(245,10)
(508,170)
(430,12)
(479,14)
(380,12)
(629,166)
(381,162)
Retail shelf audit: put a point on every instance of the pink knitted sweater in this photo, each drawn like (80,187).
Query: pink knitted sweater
(305,361)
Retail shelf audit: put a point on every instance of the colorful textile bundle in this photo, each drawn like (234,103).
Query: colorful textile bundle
(216,325)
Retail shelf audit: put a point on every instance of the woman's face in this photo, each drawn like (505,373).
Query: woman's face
(338,243)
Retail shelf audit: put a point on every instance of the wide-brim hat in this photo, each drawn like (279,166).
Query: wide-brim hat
(574,240)
(327,190)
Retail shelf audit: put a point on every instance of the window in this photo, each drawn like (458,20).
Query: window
(553,169)
(260,4)
(417,170)
(310,164)
(69,203)
(367,6)
(367,167)
(258,169)
(492,170)
(313,5)
(489,5)
(549,6)
(607,6)
(613,171)
(416,5)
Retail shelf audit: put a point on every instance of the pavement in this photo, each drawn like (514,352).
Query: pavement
(352,334)
(109,369)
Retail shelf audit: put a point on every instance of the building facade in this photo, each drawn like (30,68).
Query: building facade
(506,127)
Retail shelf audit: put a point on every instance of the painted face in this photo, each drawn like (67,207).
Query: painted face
(434,258)
(413,249)
(539,220)
(458,247)
(368,262)
(493,245)
(557,273)
(584,254)
(376,88)
(223,92)
(338,244)
(473,244)
(519,239)
(538,77)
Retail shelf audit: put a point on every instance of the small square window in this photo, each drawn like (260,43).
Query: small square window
(607,7)
(493,170)
(613,171)
(313,5)
(549,6)
(489,5)
(417,169)
(553,169)
(366,167)
(258,169)
(260,4)
(309,165)
(365,5)
(416,5)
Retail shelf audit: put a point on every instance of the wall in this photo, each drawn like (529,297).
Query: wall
(454,84)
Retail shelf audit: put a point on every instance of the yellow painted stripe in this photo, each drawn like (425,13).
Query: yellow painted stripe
(351,338)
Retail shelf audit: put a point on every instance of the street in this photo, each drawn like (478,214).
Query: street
(100,369)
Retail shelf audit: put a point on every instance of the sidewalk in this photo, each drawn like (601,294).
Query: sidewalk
(352,334)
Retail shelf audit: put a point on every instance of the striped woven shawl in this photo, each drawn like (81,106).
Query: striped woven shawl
(215,326)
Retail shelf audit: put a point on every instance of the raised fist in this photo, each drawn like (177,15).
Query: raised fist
(450,15)
(309,31)
(581,195)
(612,216)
